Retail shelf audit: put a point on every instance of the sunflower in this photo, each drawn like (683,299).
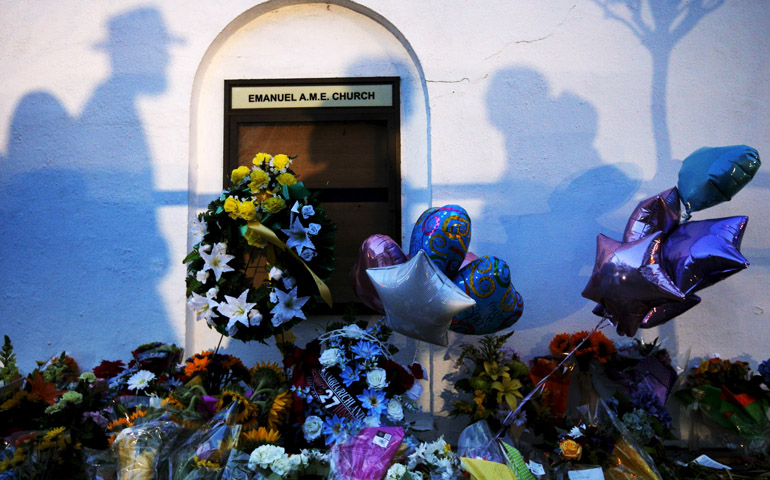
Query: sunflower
(247,410)
(278,409)
(253,438)
(269,372)
(560,344)
(602,346)
(575,340)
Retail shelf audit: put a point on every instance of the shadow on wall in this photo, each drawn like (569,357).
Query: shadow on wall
(659,25)
(549,227)
(82,253)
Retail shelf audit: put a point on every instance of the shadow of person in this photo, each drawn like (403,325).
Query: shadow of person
(82,252)
(552,196)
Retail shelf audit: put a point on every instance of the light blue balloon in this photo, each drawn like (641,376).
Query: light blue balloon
(712,175)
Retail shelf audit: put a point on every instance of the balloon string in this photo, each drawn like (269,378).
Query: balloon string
(541,384)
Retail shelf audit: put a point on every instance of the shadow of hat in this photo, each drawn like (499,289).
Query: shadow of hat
(143,26)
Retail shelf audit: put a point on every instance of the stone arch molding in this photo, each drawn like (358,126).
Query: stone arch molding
(306,39)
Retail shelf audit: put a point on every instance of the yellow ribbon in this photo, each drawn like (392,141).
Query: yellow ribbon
(272,238)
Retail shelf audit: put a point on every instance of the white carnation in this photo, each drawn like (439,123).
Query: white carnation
(264,456)
(281,466)
(395,472)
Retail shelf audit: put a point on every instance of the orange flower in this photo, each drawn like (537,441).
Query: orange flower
(198,364)
(560,344)
(570,449)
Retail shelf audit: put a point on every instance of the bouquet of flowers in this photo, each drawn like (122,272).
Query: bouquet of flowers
(497,379)
(347,380)
(733,397)
(266,215)
(427,460)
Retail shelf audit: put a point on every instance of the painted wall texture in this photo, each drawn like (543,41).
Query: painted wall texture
(548,124)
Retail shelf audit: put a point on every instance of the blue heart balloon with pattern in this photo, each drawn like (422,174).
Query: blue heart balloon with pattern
(444,234)
(487,280)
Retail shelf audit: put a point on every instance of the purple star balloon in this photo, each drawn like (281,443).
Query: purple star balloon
(655,214)
(700,253)
(628,280)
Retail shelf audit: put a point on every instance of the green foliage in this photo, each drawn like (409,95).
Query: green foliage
(9,371)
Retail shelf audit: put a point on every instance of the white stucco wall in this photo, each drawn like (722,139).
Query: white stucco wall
(548,124)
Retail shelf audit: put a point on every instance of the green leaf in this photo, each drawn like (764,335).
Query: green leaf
(298,191)
(192,256)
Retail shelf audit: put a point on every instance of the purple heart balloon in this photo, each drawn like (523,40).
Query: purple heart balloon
(376,251)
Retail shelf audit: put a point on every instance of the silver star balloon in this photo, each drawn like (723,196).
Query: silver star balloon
(419,300)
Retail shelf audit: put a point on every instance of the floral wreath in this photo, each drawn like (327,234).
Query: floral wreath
(267,221)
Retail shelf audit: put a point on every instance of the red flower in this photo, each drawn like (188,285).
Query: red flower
(399,379)
(108,369)
(417,371)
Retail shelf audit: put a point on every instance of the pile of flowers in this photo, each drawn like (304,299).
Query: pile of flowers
(497,379)
(428,460)
(347,380)
(265,223)
(732,396)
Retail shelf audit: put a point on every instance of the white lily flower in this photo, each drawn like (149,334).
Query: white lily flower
(237,309)
(197,230)
(298,236)
(216,261)
(203,307)
(275,273)
(288,307)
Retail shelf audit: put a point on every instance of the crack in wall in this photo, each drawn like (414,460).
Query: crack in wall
(534,40)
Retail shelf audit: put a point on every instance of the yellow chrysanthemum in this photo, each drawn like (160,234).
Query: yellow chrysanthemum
(16,399)
(278,410)
(259,179)
(274,205)
(239,174)
(286,179)
(261,158)
(281,161)
(232,207)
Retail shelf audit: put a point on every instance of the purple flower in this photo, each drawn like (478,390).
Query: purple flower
(645,399)
(764,370)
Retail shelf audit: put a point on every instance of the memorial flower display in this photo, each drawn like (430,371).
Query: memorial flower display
(347,380)
(261,253)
